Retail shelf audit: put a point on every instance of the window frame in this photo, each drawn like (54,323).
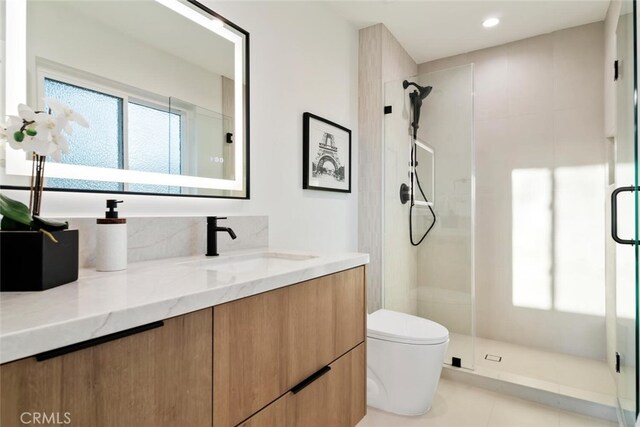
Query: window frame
(127,94)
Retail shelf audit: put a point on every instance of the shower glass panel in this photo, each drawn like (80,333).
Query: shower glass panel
(434,280)
(623,258)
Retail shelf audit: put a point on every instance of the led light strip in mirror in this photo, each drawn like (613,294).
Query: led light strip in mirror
(16,93)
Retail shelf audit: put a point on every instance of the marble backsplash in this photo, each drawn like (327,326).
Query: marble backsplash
(160,237)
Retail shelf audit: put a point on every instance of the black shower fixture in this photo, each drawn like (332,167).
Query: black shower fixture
(406,193)
(416,97)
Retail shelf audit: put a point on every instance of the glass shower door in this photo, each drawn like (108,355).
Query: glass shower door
(624,219)
(434,278)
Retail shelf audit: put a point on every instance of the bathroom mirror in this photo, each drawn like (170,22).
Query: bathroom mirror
(423,185)
(163,84)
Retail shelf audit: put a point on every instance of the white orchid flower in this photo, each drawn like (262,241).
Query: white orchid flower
(61,146)
(42,133)
(40,146)
(26,113)
(46,124)
(8,130)
(66,112)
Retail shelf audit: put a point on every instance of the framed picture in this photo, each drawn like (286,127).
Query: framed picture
(326,155)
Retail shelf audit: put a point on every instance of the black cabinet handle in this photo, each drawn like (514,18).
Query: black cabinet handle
(297,389)
(96,341)
(614,215)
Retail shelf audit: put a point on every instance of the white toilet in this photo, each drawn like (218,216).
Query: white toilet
(404,361)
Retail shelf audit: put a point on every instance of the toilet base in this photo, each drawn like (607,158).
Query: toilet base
(403,378)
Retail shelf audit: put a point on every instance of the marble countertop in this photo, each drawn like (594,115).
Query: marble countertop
(99,304)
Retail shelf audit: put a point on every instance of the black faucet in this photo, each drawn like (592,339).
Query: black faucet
(212,234)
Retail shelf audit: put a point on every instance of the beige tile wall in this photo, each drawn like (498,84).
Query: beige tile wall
(370,159)
(539,106)
(381,59)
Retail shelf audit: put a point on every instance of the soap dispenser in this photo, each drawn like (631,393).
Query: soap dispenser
(111,240)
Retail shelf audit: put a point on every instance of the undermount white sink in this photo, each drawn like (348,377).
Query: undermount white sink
(261,261)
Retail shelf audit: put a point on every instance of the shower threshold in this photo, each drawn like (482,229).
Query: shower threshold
(568,382)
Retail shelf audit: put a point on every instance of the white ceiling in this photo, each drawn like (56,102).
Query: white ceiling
(431,30)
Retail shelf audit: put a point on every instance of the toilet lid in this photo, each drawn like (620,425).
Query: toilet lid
(404,328)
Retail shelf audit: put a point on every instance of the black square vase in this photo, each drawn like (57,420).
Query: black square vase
(31,261)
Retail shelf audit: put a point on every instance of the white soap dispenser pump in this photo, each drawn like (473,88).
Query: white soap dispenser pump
(111,240)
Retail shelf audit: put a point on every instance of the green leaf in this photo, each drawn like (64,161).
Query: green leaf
(16,216)
(48,225)
(15,211)
(7,224)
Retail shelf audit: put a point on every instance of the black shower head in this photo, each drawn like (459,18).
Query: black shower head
(424,91)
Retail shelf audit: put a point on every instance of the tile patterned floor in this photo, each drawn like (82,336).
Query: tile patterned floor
(460,405)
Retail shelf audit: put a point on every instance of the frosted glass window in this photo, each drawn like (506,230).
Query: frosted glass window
(153,138)
(98,145)
(101,143)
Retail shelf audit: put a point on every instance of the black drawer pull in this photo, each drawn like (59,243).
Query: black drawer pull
(96,341)
(309,380)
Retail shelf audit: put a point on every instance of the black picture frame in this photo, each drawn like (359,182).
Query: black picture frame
(328,142)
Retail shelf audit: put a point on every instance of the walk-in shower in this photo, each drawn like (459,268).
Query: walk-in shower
(520,266)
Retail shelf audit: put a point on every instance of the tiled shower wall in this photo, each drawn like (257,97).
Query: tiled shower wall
(539,130)
(381,59)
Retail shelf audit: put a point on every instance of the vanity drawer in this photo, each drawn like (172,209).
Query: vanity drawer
(266,344)
(274,415)
(336,398)
(158,376)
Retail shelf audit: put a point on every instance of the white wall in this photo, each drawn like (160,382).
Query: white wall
(2,53)
(303,58)
(540,180)
(52,34)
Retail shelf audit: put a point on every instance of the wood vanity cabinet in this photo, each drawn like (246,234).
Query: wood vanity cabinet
(158,377)
(290,357)
(266,345)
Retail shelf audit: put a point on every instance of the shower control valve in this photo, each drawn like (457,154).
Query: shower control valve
(405,193)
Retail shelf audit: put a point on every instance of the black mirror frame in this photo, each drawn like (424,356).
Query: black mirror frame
(247,115)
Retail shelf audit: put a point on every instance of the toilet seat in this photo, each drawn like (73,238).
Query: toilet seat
(404,328)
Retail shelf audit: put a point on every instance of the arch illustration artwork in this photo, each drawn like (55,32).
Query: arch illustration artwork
(328,153)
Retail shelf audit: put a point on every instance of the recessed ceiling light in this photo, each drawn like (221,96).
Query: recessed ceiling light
(490,22)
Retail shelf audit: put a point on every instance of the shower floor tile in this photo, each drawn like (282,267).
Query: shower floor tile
(534,367)
(460,405)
